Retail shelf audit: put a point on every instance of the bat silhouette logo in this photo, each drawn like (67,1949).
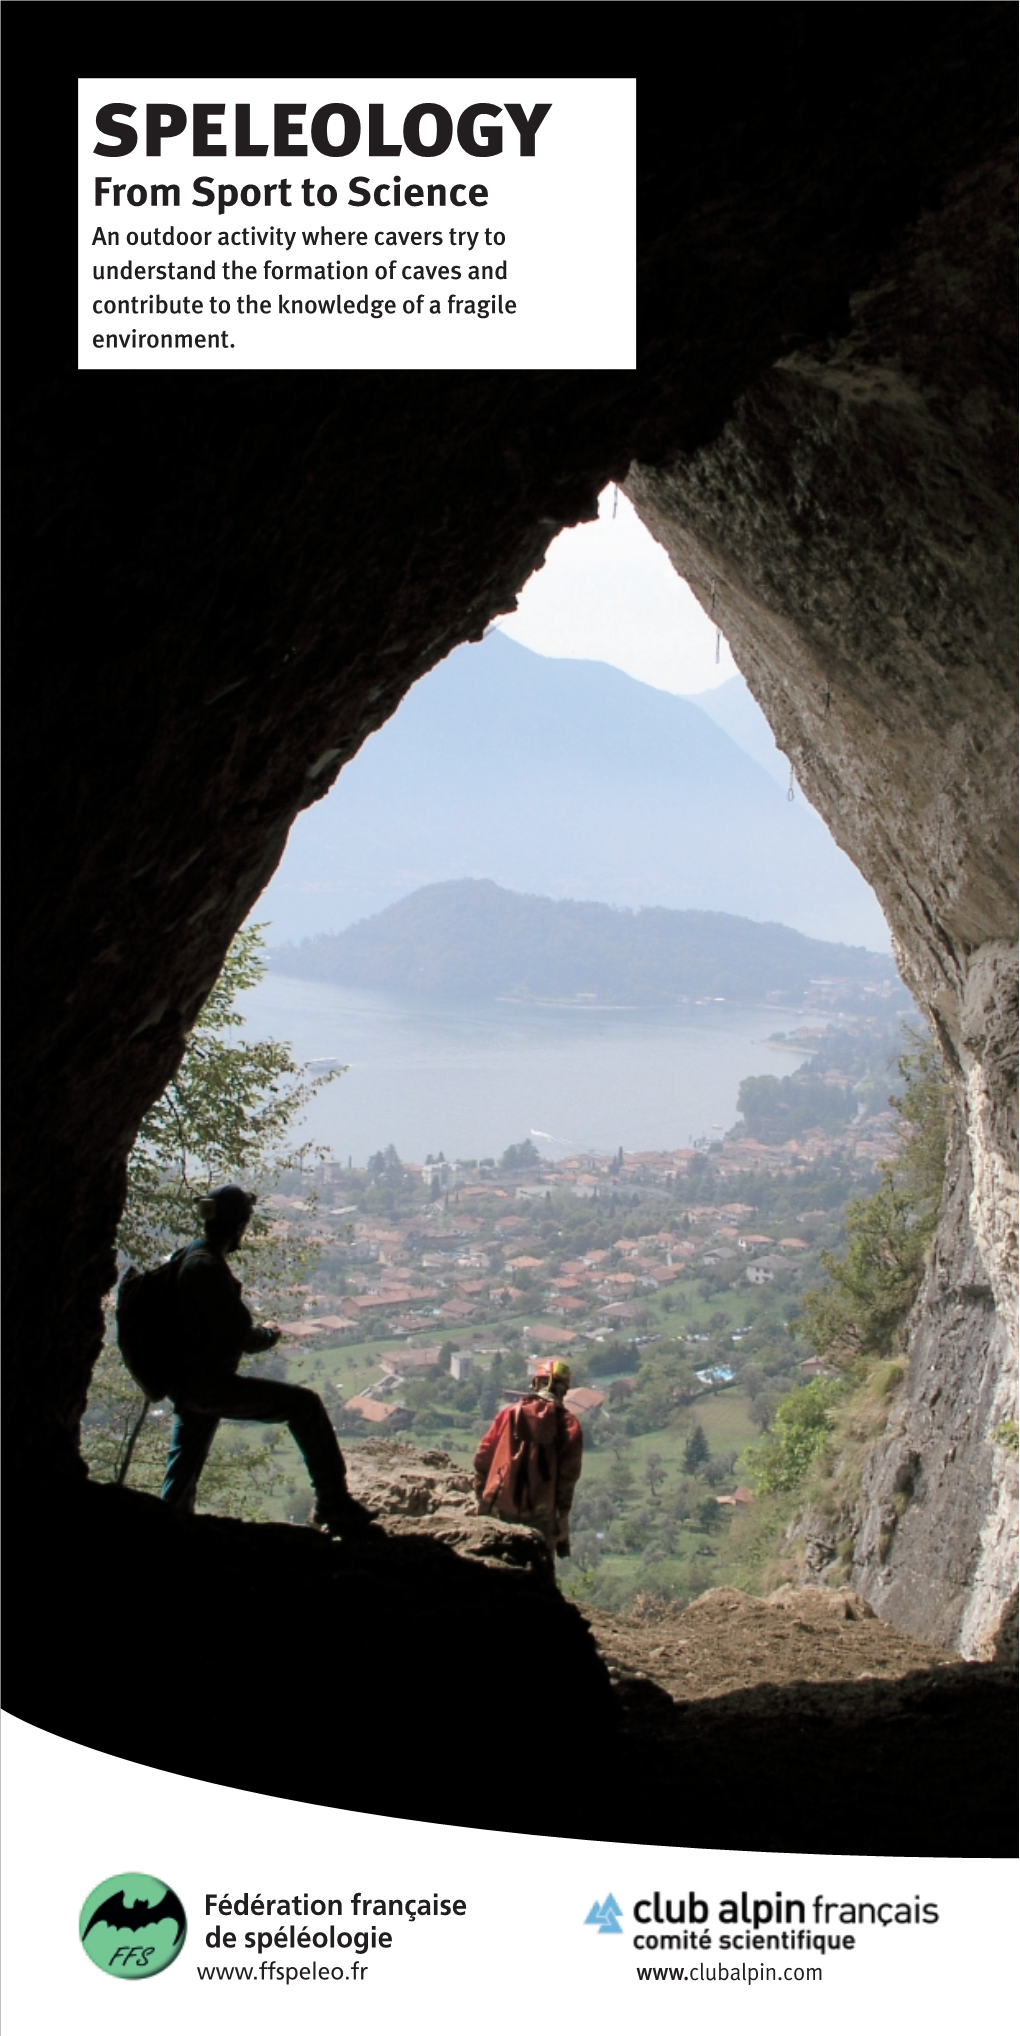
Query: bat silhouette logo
(138,1915)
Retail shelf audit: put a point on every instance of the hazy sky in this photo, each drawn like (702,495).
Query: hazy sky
(608,591)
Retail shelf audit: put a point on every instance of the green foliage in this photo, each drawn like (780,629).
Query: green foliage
(776,1108)
(696,1451)
(518,1156)
(621,1480)
(655,1473)
(874,1282)
(386,1165)
(801,1426)
(606,1360)
(225,1115)
(664,1386)
(1007,1435)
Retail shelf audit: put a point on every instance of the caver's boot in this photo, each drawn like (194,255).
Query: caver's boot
(334,1511)
(341,1515)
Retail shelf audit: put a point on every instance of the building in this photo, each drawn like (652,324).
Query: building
(583,1402)
(378,1414)
(400,1362)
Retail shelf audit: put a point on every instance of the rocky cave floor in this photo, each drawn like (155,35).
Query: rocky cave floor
(726,1641)
(416,1673)
(723,1643)
(825,1727)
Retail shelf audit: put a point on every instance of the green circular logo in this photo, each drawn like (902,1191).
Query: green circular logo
(132,1925)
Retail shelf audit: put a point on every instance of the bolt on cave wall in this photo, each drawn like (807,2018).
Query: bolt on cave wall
(220,584)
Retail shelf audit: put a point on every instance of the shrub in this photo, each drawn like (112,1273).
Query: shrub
(800,1429)
(872,1285)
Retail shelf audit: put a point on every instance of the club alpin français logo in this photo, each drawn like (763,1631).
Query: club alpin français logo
(132,1925)
(606,1917)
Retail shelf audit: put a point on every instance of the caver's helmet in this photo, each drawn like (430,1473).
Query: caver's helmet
(552,1376)
(227,1208)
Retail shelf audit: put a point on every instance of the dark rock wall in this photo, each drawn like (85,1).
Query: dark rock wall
(219,584)
(852,525)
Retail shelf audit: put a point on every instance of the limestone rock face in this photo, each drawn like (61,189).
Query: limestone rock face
(848,528)
(936,1541)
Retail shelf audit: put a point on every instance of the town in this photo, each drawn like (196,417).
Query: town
(671,1281)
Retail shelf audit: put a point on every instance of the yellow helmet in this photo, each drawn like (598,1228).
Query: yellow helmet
(553,1373)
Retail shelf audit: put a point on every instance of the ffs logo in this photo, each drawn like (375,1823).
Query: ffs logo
(132,1926)
(604,1915)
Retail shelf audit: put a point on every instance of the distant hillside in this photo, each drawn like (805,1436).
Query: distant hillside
(471,939)
(737,713)
(566,778)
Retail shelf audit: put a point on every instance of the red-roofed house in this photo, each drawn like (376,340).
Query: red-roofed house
(411,1359)
(583,1400)
(377,1411)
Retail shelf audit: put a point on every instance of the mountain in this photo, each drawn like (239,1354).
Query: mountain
(570,779)
(736,711)
(472,939)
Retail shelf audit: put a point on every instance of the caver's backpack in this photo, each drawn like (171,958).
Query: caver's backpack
(521,1484)
(148,1327)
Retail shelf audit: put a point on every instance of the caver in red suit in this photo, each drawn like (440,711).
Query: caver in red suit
(528,1463)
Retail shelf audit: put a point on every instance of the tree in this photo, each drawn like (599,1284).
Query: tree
(388,1163)
(778,1107)
(587,1550)
(620,1480)
(800,1430)
(517,1157)
(655,1473)
(872,1285)
(225,1114)
(491,1388)
(696,1451)
(613,1431)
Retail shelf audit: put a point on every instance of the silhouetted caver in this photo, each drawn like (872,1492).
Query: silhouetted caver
(528,1463)
(216,1330)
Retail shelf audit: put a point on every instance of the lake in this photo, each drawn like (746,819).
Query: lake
(471,1079)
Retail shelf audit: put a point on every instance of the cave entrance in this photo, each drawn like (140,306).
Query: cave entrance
(821,426)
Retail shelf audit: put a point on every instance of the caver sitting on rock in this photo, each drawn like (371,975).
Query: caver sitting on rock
(215,1330)
(528,1463)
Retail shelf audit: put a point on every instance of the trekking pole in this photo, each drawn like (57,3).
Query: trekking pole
(125,1463)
